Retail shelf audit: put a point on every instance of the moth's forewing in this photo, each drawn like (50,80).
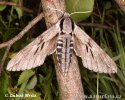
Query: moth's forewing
(35,53)
(93,57)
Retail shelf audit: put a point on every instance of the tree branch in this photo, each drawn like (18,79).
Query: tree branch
(16,5)
(9,43)
(99,26)
(70,85)
(22,33)
(4,58)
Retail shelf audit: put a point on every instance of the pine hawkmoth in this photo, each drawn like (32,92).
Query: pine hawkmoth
(64,38)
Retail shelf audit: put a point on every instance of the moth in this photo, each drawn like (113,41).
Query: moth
(64,38)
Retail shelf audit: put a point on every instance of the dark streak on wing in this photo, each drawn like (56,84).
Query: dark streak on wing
(42,45)
(38,48)
(89,44)
(92,53)
(86,48)
(36,51)
(41,40)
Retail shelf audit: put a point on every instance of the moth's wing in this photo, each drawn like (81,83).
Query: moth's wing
(93,57)
(34,54)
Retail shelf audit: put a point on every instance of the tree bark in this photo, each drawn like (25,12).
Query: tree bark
(70,85)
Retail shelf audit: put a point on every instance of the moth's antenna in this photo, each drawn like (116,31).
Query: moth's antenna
(80,12)
(56,10)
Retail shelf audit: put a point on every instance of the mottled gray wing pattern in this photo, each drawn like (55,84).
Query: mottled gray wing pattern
(35,53)
(93,57)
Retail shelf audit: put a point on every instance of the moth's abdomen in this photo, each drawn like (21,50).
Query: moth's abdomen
(64,51)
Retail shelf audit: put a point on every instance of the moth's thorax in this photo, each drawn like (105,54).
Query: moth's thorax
(67,25)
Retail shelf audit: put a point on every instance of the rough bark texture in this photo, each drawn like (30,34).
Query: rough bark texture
(70,84)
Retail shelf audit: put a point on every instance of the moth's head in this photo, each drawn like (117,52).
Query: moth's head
(66,24)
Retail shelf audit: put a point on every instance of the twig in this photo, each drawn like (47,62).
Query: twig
(22,33)
(4,58)
(99,26)
(16,5)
